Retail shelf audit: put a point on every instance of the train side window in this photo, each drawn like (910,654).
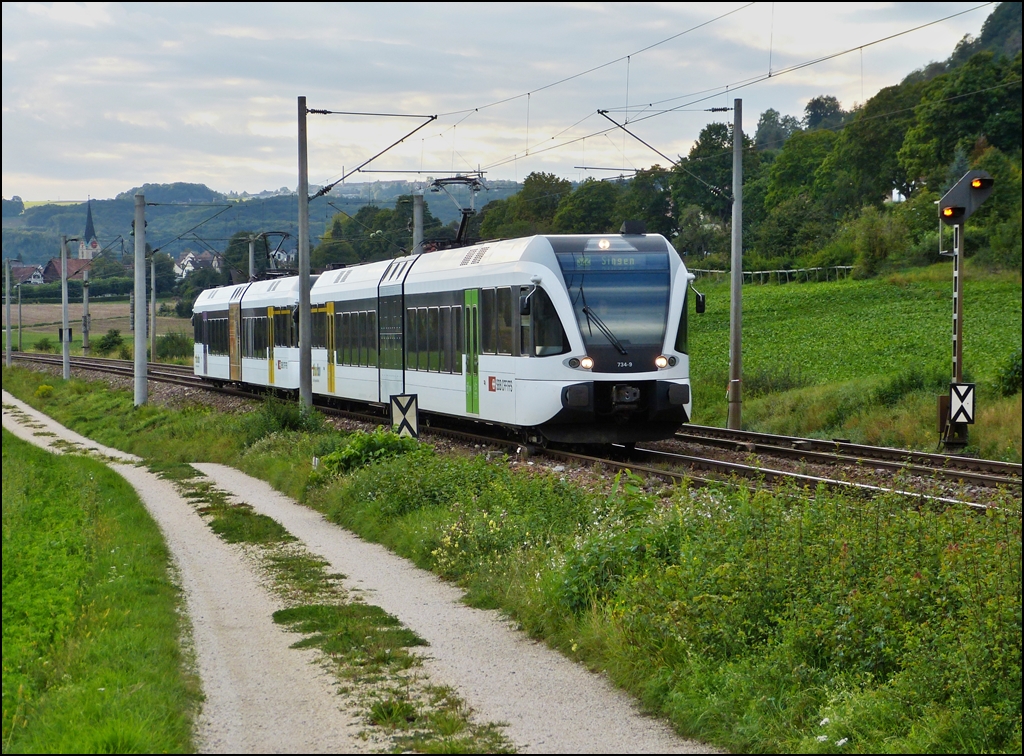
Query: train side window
(525,337)
(458,346)
(261,338)
(319,338)
(433,339)
(363,339)
(682,337)
(488,326)
(422,347)
(445,339)
(504,320)
(549,336)
(346,338)
(339,341)
(411,360)
(371,338)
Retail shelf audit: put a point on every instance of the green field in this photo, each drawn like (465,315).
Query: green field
(92,661)
(850,346)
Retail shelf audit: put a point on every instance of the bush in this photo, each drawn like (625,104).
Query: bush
(172,345)
(1009,380)
(275,416)
(124,353)
(362,449)
(44,345)
(108,343)
(44,391)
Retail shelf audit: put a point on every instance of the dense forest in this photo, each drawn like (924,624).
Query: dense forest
(831,187)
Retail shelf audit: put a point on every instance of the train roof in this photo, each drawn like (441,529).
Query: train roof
(282,291)
(471,261)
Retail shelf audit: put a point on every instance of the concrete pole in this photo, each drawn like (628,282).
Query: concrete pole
(64,337)
(417,223)
(152,308)
(736,302)
(85,311)
(252,258)
(7,299)
(19,317)
(305,330)
(141,386)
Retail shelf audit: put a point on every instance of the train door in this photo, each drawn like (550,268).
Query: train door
(392,342)
(270,346)
(235,340)
(329,325)
(206,344)
(472,332)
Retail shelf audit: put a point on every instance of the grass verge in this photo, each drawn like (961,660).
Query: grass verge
(92,661)
(365,647)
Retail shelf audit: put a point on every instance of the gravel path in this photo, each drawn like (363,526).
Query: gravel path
(263,696)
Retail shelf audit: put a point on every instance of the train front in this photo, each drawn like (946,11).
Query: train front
(628,301)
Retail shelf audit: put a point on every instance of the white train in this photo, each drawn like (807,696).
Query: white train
(579,339)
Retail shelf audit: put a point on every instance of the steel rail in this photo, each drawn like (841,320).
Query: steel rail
(846,452)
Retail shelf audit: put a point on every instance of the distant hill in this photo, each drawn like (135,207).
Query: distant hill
(204,218)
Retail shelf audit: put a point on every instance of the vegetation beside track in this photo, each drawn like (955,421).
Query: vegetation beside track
(792,621)
(92,661)
(865,360)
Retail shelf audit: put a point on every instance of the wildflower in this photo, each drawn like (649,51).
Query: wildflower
(823,738)
(824,722)
(842,741)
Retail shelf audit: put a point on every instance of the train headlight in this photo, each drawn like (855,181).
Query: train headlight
(574,363)
(661,361)
(587,363)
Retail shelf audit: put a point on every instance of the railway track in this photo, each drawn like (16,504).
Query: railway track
(698,470)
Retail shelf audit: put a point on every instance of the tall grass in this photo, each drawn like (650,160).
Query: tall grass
(91,655)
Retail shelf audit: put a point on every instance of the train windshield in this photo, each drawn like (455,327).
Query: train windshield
(620,297)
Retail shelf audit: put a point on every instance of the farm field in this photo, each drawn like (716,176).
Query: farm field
(861,359)
(43,320)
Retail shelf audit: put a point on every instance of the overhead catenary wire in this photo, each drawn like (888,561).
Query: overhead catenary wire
(713,92)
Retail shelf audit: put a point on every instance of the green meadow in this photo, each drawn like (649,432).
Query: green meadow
(863,359)
(92,661)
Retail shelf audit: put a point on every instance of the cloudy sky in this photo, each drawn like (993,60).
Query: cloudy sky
(100,97)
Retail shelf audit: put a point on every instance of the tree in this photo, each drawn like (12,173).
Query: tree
(236,255)
(13,207)
(793,171)
(648,197)
(864,166)
(538,200)
(590,209)
(774,129)
(704,177)
(823,112)
(107,265)
(165,278)
(982,98)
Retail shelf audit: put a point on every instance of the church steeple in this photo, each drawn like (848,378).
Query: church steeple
(89,244)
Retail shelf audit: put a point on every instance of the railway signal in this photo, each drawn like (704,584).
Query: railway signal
(956,410)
